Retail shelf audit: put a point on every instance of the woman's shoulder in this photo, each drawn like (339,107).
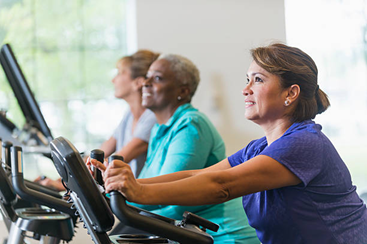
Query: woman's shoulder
(305,131)
(301,143)
(148,116)
(199,122)
(306,127)
(195,122)
(193,115)
(126,116)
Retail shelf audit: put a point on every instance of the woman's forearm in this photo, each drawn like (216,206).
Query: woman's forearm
(180,175)
(169,177)
(200,189)
(192,187)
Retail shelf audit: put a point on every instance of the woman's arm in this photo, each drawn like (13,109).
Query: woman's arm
(185,174)
(133,149)
(163,178)
(140,137)
(130,151)
(109,146)
(55,184)
(207,187)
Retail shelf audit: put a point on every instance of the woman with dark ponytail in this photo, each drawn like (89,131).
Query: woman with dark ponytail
(295,187)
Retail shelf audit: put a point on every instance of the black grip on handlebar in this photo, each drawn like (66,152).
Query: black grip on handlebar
(191,218)
(99,155)
(115,157)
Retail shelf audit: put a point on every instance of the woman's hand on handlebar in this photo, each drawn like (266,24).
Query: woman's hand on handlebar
(99,165)
(118,176)
(54,184)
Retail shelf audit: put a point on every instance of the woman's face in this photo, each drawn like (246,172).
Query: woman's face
(123,82)
(160,89)
(264,97)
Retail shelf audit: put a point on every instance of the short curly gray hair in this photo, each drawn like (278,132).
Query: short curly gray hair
(185,71)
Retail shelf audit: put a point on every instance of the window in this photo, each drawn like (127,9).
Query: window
(67,51)
(334,34)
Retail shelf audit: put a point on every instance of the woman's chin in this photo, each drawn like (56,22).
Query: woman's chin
(145,104)
(247,116)
(251,117)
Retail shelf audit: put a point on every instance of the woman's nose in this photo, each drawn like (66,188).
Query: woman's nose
(247,90)
(147,81)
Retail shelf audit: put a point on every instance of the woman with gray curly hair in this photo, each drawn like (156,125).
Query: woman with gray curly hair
(185,139)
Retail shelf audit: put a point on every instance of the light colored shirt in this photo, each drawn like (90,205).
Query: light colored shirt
(123,135)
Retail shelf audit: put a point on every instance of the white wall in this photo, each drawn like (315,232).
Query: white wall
(216,35)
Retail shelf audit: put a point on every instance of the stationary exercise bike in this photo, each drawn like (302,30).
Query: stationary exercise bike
(93,207)
(47,225)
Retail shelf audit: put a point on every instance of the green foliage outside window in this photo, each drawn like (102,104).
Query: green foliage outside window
(67,50)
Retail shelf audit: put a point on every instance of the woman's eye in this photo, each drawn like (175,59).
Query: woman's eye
(247,81)
(157,78)
(258,79)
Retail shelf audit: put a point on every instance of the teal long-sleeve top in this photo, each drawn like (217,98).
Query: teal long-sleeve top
(190,141)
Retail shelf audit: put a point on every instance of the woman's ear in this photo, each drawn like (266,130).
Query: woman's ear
(138,83)
(185,92)
(293,93)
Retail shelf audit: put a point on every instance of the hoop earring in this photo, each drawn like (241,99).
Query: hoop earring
(286,103)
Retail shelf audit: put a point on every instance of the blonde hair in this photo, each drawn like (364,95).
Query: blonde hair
(140,62)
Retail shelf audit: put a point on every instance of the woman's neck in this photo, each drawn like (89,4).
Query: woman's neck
(165,114)
(135,107)
(276,129)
